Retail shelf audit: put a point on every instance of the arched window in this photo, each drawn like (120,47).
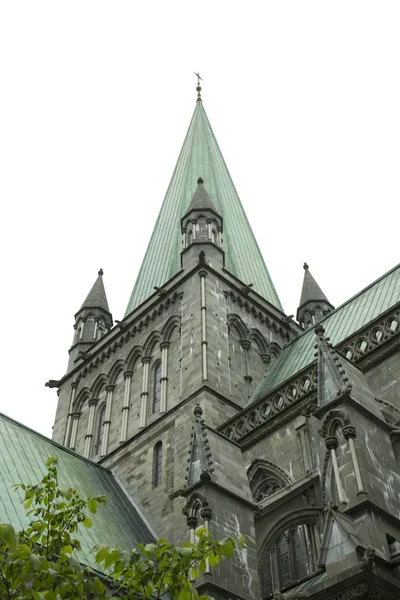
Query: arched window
(290,559)
(157,464)
(156,387)
(100,429)
(265,479)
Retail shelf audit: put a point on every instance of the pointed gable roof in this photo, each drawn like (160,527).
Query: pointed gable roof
(311,291)
(200,156)
(97,298)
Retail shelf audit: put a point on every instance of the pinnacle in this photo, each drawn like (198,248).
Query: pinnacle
(97,295)
(201,199)
(311,290)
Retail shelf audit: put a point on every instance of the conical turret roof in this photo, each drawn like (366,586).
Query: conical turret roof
(97,298)
(200,156)
(201,200)
(311,291)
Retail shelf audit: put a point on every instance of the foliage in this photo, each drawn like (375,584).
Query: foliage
(40,562)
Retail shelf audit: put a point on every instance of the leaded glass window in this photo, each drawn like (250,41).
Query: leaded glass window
(157,464)
(156,387)
(289,560)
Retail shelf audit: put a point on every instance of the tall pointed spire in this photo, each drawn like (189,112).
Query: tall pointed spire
(314,305)
(200,156)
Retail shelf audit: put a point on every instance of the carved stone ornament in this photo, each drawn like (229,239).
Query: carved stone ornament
(363,591)
(349,432)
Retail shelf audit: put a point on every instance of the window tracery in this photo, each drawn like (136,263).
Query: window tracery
(291,558)
(265,479)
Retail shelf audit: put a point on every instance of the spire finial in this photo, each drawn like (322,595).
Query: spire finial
(198,88)
(200,180)
(100,273)
(305,266)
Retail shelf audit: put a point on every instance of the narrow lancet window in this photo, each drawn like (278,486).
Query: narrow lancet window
(100,429)
(157,464)
(156,387)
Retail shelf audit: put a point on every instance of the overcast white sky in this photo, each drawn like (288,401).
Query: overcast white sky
(95,101)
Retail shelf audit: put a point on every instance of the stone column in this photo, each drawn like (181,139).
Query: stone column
(203,275)
(125,408)
(206,514)
(331,444)
(145,391)
(81,328)
(208,228)
(89,431)
(67,437)
(300,425)
(74,430)
(96,324)
(349,434)
(164,375)
(107,420)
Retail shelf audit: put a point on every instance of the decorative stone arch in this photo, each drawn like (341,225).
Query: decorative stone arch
(115,371)
(265,478)
(174,322)
(290,550)
(133,356)
(274,349)
(81,398)
(256,336)
(236,322)
(302,516)
(153,339)
(102,380)
(333,419)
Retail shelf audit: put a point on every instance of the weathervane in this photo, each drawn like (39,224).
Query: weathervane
(198,88)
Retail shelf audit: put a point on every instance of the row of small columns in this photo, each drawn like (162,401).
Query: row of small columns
(192,523)
(96,326)
(73,416)
(209,232)
(331,443)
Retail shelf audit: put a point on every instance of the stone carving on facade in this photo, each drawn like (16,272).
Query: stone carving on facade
(368,559)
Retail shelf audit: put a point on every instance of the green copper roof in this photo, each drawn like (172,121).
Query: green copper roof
(23,454)
(339,325)
(201,157)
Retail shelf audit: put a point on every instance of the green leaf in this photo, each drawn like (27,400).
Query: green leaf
(87,522)
(92,505)
(8,534)
(98,586)
(150,547)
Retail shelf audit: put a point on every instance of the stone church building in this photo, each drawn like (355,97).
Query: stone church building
(207,405)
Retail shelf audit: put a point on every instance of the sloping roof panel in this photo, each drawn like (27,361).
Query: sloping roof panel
(23,454)
(200,156)
(339,325)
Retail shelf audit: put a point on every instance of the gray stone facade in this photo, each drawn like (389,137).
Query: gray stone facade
(307,467)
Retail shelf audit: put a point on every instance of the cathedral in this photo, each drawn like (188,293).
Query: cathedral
(206,405)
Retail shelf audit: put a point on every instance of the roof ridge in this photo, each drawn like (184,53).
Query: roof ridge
(53,443)
(369,286)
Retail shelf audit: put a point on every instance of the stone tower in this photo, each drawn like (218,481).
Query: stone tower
(209,405)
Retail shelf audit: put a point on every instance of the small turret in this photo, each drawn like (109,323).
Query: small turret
(92,321)
(314,305)
(201,224)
